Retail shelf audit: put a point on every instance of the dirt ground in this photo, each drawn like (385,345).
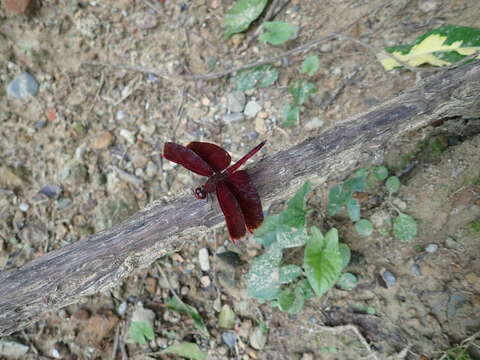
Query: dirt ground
(84,154)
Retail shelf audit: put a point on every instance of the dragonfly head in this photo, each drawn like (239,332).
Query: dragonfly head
(200,193)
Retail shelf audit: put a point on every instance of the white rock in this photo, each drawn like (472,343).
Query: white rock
(203,259)
(252,109)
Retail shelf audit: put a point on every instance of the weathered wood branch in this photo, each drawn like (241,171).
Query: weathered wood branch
(98,262)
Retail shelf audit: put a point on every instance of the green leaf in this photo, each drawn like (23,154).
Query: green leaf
(266,234)
(345,253)
(380,173)
(290,272)
(263,279)
(353,209)
(290,114)
(278,32)
(187,350)
(301,90)
(242,14)
(322,260)
(291,300)
(347,281)
(141,332)
(178,305)
(285,223)
(404,227)
(305,289)
(337,197)
(310,65)
(294,238)
(438,47)
(294,214)
(364,227)
(392,184)
(356,184)
(264,75)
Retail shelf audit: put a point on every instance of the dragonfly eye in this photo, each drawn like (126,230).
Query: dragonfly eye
(200,193)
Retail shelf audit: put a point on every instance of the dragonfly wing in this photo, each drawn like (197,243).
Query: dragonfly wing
(231,210)
(246,193)
(188,158)
(213,154)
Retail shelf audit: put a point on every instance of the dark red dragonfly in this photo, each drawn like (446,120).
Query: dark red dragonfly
(236,193)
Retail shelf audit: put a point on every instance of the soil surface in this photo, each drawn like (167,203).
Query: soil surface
(84,153)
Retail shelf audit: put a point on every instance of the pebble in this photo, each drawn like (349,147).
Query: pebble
(389,278)
(427,6)
(226,318)
(229,338)
(251,109)
(205,101)
(258,338)
(146,21)
(415,269)
(18,6)
(122,308)
(431,248)
(152,169)
(128,135)
(50,191)
(236,101)
(23,87)
(121,115)
(314,123)
(233,118)
(102,141)
(12,349)
(203,259)
(381,219)
(23,207)
(402,205)
(205,281)
(260,126)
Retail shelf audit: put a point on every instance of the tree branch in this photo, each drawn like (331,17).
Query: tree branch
(96,263)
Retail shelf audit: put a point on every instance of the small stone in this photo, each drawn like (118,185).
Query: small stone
(307,356)
(51,114)
(18,6)
(23,207)
(205,281)
(50,191)
(314,123)
(151,285)
(12,349)
(146,21)
(120,115)
(431,248)
(23,87)
(233,118)
(236,101)
(203,259)
(55,354)
(451,243)
(258,338)
(427,6)
(205,101)
(176,257)
(415,269)
(229,338)
(122,308)
(381,219)
(402,205)
(389,279)
(226,318)
(251,109)
(260,126)
(102,141)
(128,135)
(152,169)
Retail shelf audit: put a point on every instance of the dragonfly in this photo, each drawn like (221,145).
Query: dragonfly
(236,193)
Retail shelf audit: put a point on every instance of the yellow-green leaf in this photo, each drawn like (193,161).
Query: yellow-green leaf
(439,47)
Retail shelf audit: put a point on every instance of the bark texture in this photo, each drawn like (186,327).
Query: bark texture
(98,262)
